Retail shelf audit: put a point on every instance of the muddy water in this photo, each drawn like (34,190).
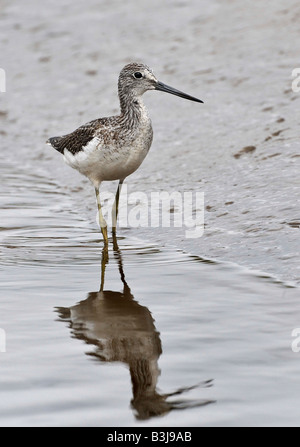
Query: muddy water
(184,332)
(170,336)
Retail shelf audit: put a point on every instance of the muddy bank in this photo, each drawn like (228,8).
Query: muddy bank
(62,63)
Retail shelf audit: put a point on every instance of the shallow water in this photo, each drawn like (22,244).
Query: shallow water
(172,339)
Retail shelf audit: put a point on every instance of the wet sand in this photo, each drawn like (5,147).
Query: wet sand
(62,73)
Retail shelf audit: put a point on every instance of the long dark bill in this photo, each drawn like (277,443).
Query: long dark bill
(166,88)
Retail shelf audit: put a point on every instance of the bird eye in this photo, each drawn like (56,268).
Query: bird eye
(138,75)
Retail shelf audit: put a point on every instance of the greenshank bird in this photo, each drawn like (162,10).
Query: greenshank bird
(112,148)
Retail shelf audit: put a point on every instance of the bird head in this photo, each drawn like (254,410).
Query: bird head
(135,79)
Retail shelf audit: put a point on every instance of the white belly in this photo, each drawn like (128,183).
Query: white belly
(114,162)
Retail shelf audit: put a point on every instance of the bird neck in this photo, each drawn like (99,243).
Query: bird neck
(132,108)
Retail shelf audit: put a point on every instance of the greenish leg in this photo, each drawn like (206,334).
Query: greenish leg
(115,210)
(102,221)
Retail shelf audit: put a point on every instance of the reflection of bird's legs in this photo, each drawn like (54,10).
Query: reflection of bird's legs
(118,256)
(115,210)
(116,246)
(104,262)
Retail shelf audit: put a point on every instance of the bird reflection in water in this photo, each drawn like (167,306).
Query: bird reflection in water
(122,330)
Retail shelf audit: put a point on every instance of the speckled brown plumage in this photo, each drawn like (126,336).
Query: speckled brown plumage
(122,129)
(75,141)
(112,148)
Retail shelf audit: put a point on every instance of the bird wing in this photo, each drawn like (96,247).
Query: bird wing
(75,142)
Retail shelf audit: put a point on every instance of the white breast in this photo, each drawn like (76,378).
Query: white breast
(115,161)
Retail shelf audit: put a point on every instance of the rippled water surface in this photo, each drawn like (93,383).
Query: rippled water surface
(170,336)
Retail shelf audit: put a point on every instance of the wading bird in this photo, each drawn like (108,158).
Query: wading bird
(112,148)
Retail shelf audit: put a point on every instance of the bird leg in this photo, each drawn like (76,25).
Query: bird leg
(115,210)
(102,221)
